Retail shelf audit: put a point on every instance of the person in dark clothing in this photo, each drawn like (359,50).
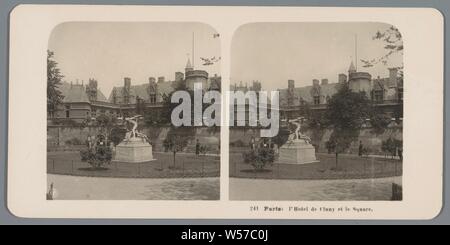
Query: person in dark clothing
(360,149)
(197,148)
(400,153)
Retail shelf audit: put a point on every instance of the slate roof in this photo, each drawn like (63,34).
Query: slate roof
(76,93)
(306,93)
(141,90)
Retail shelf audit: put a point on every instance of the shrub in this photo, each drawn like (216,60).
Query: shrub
(259,158)
(97,156)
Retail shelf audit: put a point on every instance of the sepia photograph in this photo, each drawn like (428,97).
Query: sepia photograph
(340,112)
(212,113)
(110,93)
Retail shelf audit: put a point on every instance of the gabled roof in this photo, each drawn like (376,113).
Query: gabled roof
(73,93)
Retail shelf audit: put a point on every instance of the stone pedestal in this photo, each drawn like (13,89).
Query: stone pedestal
(297,152)
(134,151)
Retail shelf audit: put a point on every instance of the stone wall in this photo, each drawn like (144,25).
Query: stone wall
(319,138)
(59,136)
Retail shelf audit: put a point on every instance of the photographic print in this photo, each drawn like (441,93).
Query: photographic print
(110,93)
(340,112)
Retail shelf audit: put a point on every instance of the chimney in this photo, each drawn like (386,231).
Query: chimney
(316,82)
(93,83)
(291,84)
(127,83)
(179,76)
(324,81)
(342,78)
(393,77)
(256,86)
(151,80)
(161,79)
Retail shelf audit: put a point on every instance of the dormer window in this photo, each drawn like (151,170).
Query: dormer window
(152,98)
(316,100)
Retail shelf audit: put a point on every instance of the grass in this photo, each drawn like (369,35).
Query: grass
(186,166)
(349,167)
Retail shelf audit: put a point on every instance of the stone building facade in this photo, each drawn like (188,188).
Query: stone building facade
(386,93)
(85,102)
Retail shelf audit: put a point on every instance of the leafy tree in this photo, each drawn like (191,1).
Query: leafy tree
(345,114)
(379,121)
(174,143)
(117,135)
(282,137)
(392,38)
(54,79)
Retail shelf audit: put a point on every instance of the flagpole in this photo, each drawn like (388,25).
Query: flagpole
(193,50)
(356,51)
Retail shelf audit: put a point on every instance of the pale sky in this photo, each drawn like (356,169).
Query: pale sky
(275,52)
(111,51)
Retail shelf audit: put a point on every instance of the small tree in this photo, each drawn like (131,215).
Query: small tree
(175,144)
(107,123)
(345,114)
(259,158)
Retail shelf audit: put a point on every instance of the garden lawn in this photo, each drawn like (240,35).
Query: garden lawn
(349,167)
(186,166)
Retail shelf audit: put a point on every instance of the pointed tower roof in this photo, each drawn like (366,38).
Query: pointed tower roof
(352,68)
(188,64)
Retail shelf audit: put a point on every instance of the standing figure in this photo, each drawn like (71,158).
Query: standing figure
(360,149)
(197,148)
(252,144)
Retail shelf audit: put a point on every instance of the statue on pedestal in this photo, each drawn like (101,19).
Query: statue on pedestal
(298,149)
(134,134)
(297,135)
(136,146)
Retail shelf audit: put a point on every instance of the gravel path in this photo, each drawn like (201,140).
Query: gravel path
(94,188)
(312,190)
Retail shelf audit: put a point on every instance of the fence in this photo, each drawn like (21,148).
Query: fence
(185,166)
(348,167)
